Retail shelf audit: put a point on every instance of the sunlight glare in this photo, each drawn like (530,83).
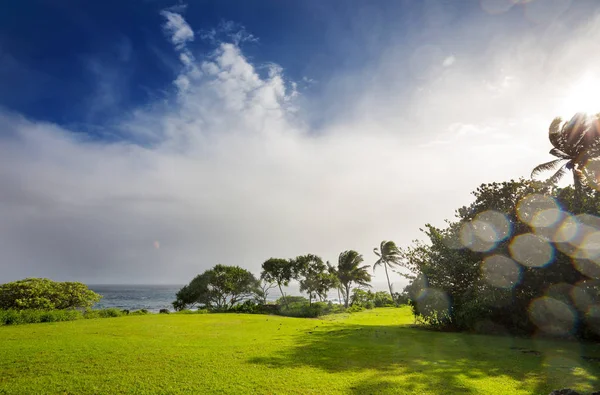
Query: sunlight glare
(582,96)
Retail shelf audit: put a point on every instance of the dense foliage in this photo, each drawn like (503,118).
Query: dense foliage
(279,271)
(314,277)
(369,299)
(349,273)
(219,288)
(45,294)
(524,258)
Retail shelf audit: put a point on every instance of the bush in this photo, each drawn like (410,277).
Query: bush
(139,312)
(163,311)
(16,317)
(382,299)
(104,313)
(291,299)
(248,307)
(44,294)
(354,309)
(305,310)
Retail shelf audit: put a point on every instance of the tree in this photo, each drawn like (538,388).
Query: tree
(337,285)
(518,259)
(45,294)
(279,271)
(350,272)
(575,143)
(219,288)
(313,276)
(261,293)
(389,256)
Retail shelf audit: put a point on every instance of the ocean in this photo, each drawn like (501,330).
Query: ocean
(156,297)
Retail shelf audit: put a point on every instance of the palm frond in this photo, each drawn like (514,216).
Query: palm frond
(559,154)
(555,135)
(545,167)
(556,176)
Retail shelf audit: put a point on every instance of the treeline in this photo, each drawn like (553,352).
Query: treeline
(224,288)
(523,258)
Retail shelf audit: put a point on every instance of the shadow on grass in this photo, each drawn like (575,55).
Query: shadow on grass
(406,360)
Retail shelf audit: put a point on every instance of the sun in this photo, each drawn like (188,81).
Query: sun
(582,96)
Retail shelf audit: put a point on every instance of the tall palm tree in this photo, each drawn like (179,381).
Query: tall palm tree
(350,272)
(336,280)
(389,256)
(575,143)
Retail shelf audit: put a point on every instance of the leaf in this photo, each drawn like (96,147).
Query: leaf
(545,167)
(556,176)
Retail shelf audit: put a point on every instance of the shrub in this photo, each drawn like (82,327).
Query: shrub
(354,309)
(16,317)
(163,311)
(306,310)
(248,307)
(291,299)
(382,299)
(104,313)
(139,312)
(44,294)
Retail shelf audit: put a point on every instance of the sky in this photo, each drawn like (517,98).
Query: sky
(143,142)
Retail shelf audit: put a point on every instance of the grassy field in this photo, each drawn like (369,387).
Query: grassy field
(369,352)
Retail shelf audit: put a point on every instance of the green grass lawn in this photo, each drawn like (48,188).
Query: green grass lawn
(369,352)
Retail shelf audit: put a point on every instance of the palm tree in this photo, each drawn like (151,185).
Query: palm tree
(575,143)
(350,272)
(335,275)
(389,256)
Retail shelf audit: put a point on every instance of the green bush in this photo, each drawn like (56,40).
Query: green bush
(16,317)
(45,294)
(306,310)
(139,312)
(354,309)
(291,299)
(104,313)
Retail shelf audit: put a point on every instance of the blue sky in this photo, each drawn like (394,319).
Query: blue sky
(81,62)
(145,141)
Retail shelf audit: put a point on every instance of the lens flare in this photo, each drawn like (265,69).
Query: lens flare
(498,224)
(534,210)
(478,236)
(552,316)
(531,250)
(501,271)
(433,301)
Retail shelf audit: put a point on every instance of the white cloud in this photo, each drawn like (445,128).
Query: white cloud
(178,29)
(230,172)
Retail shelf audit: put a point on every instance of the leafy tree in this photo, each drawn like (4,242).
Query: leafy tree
(472,274)
(389,257)
(575,143)
(350,272)
(261,293)
(219,288)
(45,294)
(313,276)
(279,271)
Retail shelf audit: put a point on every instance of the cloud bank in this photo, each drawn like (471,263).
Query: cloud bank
(229,170)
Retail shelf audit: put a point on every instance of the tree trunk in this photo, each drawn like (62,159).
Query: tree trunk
(577,188)
(282,295)
(388,280)
(347,298)
(339,297)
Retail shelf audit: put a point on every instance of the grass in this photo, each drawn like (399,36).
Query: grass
(371,352)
